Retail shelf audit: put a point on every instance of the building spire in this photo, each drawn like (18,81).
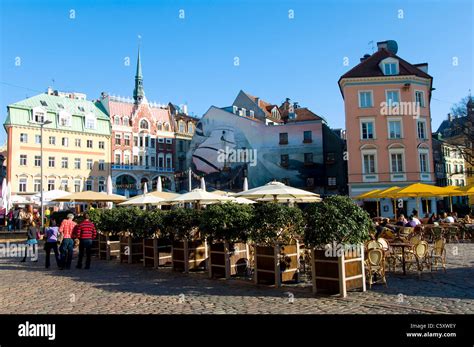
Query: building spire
(138,92)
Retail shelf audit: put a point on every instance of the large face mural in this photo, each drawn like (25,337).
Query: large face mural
(226,147)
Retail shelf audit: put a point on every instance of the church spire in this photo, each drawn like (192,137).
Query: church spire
(138,92)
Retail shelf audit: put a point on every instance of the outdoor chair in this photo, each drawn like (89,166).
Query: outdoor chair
(438,254)
(383,243)
(376,267)
(419,257)
(373,244)
(452,233)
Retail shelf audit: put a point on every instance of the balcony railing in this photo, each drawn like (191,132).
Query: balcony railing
(141,168)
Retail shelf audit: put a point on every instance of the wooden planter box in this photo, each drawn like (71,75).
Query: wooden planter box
(95,247)
(157,252)
(189,255)
(276,264)
(226,260)
(131,250)
(337,274)
(109,247)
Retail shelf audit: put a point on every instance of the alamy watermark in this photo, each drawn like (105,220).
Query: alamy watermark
(241,155)
(338,249)
(15,250)
(402,108)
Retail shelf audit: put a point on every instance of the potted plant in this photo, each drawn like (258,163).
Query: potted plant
(276,230)
(225,228)
(108,224)
(336,230)
(131,239)
(189,251)
(156,249)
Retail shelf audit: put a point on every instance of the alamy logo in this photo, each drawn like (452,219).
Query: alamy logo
(37,330)
(402,108)
(230,155)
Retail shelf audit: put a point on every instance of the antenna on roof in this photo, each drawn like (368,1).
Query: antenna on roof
(371,43)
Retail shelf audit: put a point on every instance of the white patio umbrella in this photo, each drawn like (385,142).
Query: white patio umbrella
(246,184)
(144,200)
(279,192)
(145,188)
(203,184)
(109,191)
(50,195)
(199,197)
(159,186)
(127,194)
(18,199)
(8,202)
(4,193)
(243,201)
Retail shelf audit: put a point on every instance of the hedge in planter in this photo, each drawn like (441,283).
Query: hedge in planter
(156,249)
(131,239)
(189,250)
(276,229)
(107,222)
(336,230)
(225,227)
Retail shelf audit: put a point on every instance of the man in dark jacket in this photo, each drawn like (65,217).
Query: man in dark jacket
(85,232)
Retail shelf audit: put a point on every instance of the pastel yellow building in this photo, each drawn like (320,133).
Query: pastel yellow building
(76,145)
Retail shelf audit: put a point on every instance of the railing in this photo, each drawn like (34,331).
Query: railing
(141,167)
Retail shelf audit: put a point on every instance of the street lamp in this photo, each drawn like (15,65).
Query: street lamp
(42,124)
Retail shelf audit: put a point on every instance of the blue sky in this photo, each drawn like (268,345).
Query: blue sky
(192,59)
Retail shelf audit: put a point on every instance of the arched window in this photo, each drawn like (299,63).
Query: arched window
(160,126)
(190,127)
(117,120)
(126,121)
(143,124)
(167,127)
(182,127)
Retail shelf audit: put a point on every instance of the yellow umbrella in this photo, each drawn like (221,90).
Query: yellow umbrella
(389,194)
(468,190)
(419,190)
(453,191)
(370,195)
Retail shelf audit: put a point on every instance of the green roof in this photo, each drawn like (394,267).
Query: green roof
(19,113)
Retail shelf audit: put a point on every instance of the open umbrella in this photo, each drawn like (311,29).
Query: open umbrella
(90,196)
(4,193)
(278,192)
(110,190)
(371,195)
(143,200)
(203,184)
(243,201)
(145,188)
(419,190)
(451,191)
(199,197)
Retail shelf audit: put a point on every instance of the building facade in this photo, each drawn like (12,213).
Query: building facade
(263,142)
(76,145)
(388,122)
(143,141)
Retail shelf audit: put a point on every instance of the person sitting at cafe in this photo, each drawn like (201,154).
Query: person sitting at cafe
(402,220)
(415,217)
(411,222)
(447,219)
(468,220)
(433,219)
(455,216)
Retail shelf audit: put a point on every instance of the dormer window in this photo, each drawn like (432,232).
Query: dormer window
(235,109)
(126,121)
(61,106)
(160,126)
(90,121)
(389,66)
(116,120)
(65,119)
(252,114)
(44,103)
(39,114)
(80,108)
(275,113)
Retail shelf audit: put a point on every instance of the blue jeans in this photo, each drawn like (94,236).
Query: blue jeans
(66,249)
(85,246)
(48,246)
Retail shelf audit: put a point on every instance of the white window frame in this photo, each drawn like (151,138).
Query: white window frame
(395,119)
(65,119)
(421,120)
(397,175)
(424,175)
(423,100)
(367,120)
(23,138)
(90,121)
(23,184)
(390,61)
(366,176)
(391,91)
(371,98)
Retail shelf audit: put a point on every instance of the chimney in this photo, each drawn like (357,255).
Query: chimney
(49,91)
(257,99)
(423,67)
(364,57)
(450,117)
(185,109)
(381,45)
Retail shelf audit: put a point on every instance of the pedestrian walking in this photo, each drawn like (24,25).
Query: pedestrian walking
(67,244)
(32,242)
(85,232)
(51,235)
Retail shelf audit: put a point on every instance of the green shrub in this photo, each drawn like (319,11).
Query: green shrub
(226,222)
(276,223)
(181,223)
(336,219)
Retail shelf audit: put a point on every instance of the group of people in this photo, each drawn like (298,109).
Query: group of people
(18,218)
(62,240)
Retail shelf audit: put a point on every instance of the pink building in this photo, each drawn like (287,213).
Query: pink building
(388,122)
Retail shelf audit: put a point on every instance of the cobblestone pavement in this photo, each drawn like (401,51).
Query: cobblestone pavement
(111,288)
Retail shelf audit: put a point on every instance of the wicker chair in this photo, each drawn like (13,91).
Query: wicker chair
(438,254)
(420,257)
(376,266)
(452,233)
(373,244)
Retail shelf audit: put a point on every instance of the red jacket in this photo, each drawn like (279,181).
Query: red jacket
(84,230)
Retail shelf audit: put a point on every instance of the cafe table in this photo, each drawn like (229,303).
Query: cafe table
(402,246)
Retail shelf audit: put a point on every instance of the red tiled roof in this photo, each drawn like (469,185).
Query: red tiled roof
(129,109)
(370,67)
